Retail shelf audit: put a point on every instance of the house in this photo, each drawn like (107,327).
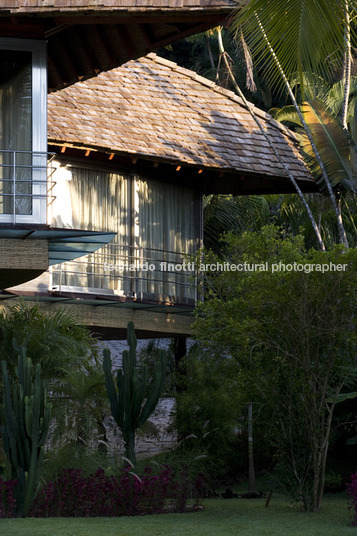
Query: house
(135,148)
(45,46)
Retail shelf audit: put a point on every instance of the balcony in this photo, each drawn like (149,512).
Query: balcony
(25,187)
(134,273)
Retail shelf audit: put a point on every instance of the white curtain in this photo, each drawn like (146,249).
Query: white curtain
(167,234)
(154,222)
(98,201)
(15,131)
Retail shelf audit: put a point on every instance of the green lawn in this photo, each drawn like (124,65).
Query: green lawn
(238,517)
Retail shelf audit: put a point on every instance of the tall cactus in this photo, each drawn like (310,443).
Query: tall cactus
(26,419)
(130,403)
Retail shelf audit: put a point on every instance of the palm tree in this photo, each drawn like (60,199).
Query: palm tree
(56,341)
(269,141)
(80,409)
(335,141)
(224,213)
(290,38)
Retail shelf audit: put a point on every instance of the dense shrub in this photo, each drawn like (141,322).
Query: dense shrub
(352,494)
(7,498)
(75,495)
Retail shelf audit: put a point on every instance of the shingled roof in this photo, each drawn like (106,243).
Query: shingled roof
(88,36)
(68,6)
(155,110)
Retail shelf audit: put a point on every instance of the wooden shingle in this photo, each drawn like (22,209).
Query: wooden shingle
(149,107)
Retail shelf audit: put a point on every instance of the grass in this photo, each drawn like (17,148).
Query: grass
(230,517)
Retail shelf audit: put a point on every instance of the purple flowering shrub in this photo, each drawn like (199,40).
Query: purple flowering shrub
(7,498)
(75,495)
(352,495)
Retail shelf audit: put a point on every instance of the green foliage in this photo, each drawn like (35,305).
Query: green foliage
(57,340)
(74,456)
(332,140)
(26,416)
(131,404)
(80,407)
(305,36)
(337,148)
(293,334)
(150,354)
(223,213)
(207,411)
(288,213)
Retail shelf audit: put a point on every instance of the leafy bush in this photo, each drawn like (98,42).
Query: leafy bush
(100,494)
(7,498)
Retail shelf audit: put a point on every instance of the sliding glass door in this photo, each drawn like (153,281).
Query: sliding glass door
(156,224)
(23,127)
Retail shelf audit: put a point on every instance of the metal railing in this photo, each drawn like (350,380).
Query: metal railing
(25,185)
(141,273)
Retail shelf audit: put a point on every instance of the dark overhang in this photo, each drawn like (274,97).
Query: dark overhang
(85,41)
(63,244)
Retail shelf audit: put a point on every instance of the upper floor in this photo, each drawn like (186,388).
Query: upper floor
(44,48)
(129,154)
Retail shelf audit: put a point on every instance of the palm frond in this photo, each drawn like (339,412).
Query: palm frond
(287,115)
(305,35)
(334,145)
(314,85)
(334,97)
(222,214)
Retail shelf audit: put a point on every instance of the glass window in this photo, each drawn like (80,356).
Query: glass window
(15,131)
(23,131)
(156,224)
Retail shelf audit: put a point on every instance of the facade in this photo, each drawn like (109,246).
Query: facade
(45,46)
(134,150)
(106,185)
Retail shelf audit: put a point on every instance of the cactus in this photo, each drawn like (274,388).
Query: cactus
(26,419)
(130,403)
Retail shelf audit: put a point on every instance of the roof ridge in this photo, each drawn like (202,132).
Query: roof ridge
(223,91)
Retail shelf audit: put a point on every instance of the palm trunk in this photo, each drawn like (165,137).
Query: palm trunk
(272,146)
(341,229)
(347,65)
(210,55)
(252,481)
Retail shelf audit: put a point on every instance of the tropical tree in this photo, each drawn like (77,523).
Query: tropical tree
(268,139)
(81,408)
(321,111)
(64,349)
(292,333)
(56,341)
(223,213)
(291,38)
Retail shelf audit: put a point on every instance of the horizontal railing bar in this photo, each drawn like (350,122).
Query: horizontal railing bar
(22,181)
(11,151)
(140,248)
(30,195)
(25,179)
(126,258)
(127,277)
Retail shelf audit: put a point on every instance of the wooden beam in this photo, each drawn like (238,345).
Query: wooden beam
(176,34)
(62,59)
(100,46)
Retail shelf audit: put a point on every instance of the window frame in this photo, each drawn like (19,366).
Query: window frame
(38,50)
